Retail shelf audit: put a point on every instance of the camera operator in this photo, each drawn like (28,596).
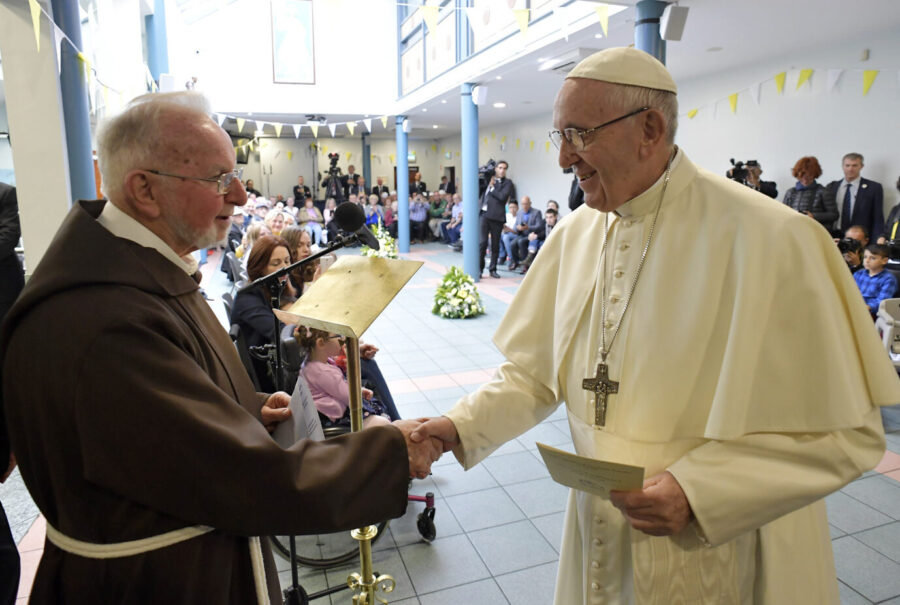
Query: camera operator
(748,173)
(493,213)
(334,183)
(852,246)
(301,192)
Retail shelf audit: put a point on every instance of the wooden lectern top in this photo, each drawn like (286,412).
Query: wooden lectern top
(348,297)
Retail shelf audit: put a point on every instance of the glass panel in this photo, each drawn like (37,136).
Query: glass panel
(412,68)
(440,49)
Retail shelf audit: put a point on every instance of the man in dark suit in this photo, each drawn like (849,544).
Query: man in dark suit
(349,179)
(301,192)
(493,213)
(446,186)
(380,188)
(860,201)
(417,186)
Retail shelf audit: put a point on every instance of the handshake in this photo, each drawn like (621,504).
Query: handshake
(426,440)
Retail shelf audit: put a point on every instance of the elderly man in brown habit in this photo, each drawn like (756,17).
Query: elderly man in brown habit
(137,430)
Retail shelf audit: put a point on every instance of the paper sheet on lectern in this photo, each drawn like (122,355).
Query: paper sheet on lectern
(589,474)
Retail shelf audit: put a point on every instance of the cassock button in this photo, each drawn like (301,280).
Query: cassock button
(607,324)
(595,564)
(614,299)
(595,586)
(598,542)
(624,247)
(619,273)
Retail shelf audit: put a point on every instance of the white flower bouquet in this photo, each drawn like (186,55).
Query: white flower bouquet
(457,297)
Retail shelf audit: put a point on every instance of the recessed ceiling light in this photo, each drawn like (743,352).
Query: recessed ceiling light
(424,109)
(434,125)
(598,36)
(713,49)
(249,113)
(444,101)
(499,105)
(499,77)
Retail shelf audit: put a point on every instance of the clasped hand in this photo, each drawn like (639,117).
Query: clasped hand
(659,509)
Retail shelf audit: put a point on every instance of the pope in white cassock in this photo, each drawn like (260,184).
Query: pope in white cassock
(739,364)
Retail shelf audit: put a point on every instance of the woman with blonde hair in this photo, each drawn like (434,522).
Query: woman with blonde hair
(275,221)
(256,230)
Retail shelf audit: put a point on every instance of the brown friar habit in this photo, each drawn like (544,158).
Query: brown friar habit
(131,416)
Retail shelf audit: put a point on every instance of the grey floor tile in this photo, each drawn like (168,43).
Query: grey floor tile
(444,563)
(421,409)
(405,530)
(865,570)
(510,447)
(411,601)
(487,508)
(883,496)
(388,562)
(851,597)
(884,539)
(894,601)
(438,395)
(512,547)
(410,397)
(534,586)
(454,480)
(484,592)
(515,468)
(423,368)
(539,497)
(835,532)
(551,527)
(851,515)
(545,433)
(312,580)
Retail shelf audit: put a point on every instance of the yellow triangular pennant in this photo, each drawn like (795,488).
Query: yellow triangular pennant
(522,17)
(493,135)
(240,124)
(503,139)
(732,100)
(547,146)
(603,16)
(87,68)
(433,147)
(36,21)
(278,128)
(384,121)
(457,154)
(518,142)
(530,145)
(869,76)
(691,113)
(105,92)
(324,148)
(804,76)
(391,157)
(351,126)
(290,155)
(430,15)
(779,81)
(347,155)
(315,130)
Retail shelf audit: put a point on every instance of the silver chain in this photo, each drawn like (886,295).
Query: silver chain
(604,350)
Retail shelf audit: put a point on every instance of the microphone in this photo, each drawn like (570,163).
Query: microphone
(349,216)
(365,236)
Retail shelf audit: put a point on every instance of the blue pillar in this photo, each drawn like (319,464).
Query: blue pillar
(157,43)
(469,181)
(402,188)
(367,160)
(73,88)
(646,28)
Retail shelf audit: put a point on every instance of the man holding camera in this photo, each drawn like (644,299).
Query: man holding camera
(493,214)
(749,174)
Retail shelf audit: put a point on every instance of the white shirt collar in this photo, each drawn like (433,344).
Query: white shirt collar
(121,225)
(853,183)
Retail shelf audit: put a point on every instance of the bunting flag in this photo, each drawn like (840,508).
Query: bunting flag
(58,37)
(732,101)
(36,21)
(530,145)
(547,146)
(297,128)
(220,118)
(523,15)
(754,92)
(368,124)
(324,148)
(347,155)
(518,142)
(472,15)
(290,155)
(833,76)
(384,121)
(278,128)
(779,81)
(493,135)
(351,126)
(485,140)
(805,74)
(332,128)
(240,125)
(315,129)
(255,125)
(691,114)
(603,16)
(869,76)
(391,157)
(457,154)
(503,139)
(262,125)
(430,16)
(434,147)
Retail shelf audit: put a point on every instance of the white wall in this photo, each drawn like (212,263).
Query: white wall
(809,121)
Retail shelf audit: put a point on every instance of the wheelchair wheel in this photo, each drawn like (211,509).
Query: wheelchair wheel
(322,551)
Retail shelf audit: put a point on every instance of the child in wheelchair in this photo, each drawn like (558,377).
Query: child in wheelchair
(327,381)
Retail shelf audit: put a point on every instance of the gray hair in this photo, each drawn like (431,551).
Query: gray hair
(132,138)
(630,98)
(853,156)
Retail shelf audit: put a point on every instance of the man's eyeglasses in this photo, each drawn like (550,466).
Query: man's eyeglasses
(223,181)
(576,137)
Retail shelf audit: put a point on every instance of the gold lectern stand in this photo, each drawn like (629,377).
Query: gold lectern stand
(345,301)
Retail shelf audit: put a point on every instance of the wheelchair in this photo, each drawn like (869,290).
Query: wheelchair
(323,551)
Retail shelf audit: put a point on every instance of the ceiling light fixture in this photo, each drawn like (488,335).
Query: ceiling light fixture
(444,101)
(499,105)
(434,125)
(499,77)
(424,109)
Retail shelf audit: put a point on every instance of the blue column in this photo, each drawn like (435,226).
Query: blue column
(646,28)
(367,160)
(402,188)
(157,42)
(469,181)
(73,88)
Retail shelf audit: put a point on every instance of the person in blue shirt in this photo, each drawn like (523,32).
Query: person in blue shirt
(874,282)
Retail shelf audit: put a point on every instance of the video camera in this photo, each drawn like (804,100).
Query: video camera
(740,170)
(334,170)
(484,175)
(848,244)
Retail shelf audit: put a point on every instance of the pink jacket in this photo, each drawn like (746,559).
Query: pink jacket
(328,388)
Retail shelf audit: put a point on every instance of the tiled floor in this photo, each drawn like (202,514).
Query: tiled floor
(499,525)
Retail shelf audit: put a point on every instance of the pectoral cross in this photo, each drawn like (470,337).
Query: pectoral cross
(600,386)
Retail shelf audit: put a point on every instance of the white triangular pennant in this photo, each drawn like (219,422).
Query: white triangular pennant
(220,118)
(58,35)
(262,125)
(297,128)
(833,76)
(561,14)
(754,92)
(368,123)
(332,128)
